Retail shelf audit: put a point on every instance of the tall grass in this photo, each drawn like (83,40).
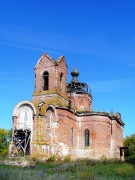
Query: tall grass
(78,170)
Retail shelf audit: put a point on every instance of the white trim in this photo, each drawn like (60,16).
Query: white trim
(53,107)
(23,103)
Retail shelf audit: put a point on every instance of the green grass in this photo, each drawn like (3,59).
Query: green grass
(78,170)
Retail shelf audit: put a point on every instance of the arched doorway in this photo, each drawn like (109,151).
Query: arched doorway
(23,126)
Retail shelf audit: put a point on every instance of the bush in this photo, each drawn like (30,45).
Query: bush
(125,170)
(52,158)
(129,142)
(5,138)
(130,159)
(67,159)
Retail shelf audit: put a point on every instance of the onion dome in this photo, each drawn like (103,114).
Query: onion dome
(75,74)
(76,87)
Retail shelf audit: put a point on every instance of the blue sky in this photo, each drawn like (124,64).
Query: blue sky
(97,37)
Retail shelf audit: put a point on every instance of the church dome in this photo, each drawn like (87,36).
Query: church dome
(75,85)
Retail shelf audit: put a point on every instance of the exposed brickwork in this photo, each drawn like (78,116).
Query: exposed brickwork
(80,102)
(63,123)
(57,74)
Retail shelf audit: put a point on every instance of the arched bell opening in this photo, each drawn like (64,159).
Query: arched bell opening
(46,80)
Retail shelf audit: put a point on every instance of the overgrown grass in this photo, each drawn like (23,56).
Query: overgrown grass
(130,159)
(3,156)
(78,170)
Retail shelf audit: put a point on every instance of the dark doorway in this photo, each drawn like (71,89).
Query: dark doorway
(21,140)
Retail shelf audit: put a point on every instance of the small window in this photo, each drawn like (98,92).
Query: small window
(61,76)
(72,136)
(86,137)
(46,80)
(35,81)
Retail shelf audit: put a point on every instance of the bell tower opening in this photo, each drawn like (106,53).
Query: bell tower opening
(46,80)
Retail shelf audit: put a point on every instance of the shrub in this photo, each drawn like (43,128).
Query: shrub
(129,142)
(130,159)
(67,159)
(52,158)
(125,170)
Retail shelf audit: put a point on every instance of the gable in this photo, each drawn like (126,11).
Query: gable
(60,60)
(62,64)
(45,60)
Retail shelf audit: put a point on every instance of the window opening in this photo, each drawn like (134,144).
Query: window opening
(61,76)
(46,80)
(86,137)
(72,136)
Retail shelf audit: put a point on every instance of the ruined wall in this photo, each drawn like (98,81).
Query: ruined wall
(66,135)
(44,64)
(98,127)
(57,74)
(61,70)
(116,139)
(80,102)
(45,133)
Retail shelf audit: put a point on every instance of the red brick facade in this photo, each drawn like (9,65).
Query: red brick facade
(60,119)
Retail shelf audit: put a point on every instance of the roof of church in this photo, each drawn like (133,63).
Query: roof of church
(75,85)
(111,116)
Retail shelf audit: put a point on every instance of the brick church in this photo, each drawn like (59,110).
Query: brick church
(59,119)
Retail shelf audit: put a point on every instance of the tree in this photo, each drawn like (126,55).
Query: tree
(129,142)
(5,138)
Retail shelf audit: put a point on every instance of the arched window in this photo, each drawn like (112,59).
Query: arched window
(61,81)
(46,80)
(86,137)
(61,76)
(51,118)
(72,136)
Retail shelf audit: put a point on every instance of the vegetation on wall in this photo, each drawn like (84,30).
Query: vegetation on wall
(56,101)
(38,93)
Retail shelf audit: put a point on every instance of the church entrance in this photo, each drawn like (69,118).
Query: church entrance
(21,141)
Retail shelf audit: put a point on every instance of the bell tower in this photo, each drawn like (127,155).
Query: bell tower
(50,81)
(50,75)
